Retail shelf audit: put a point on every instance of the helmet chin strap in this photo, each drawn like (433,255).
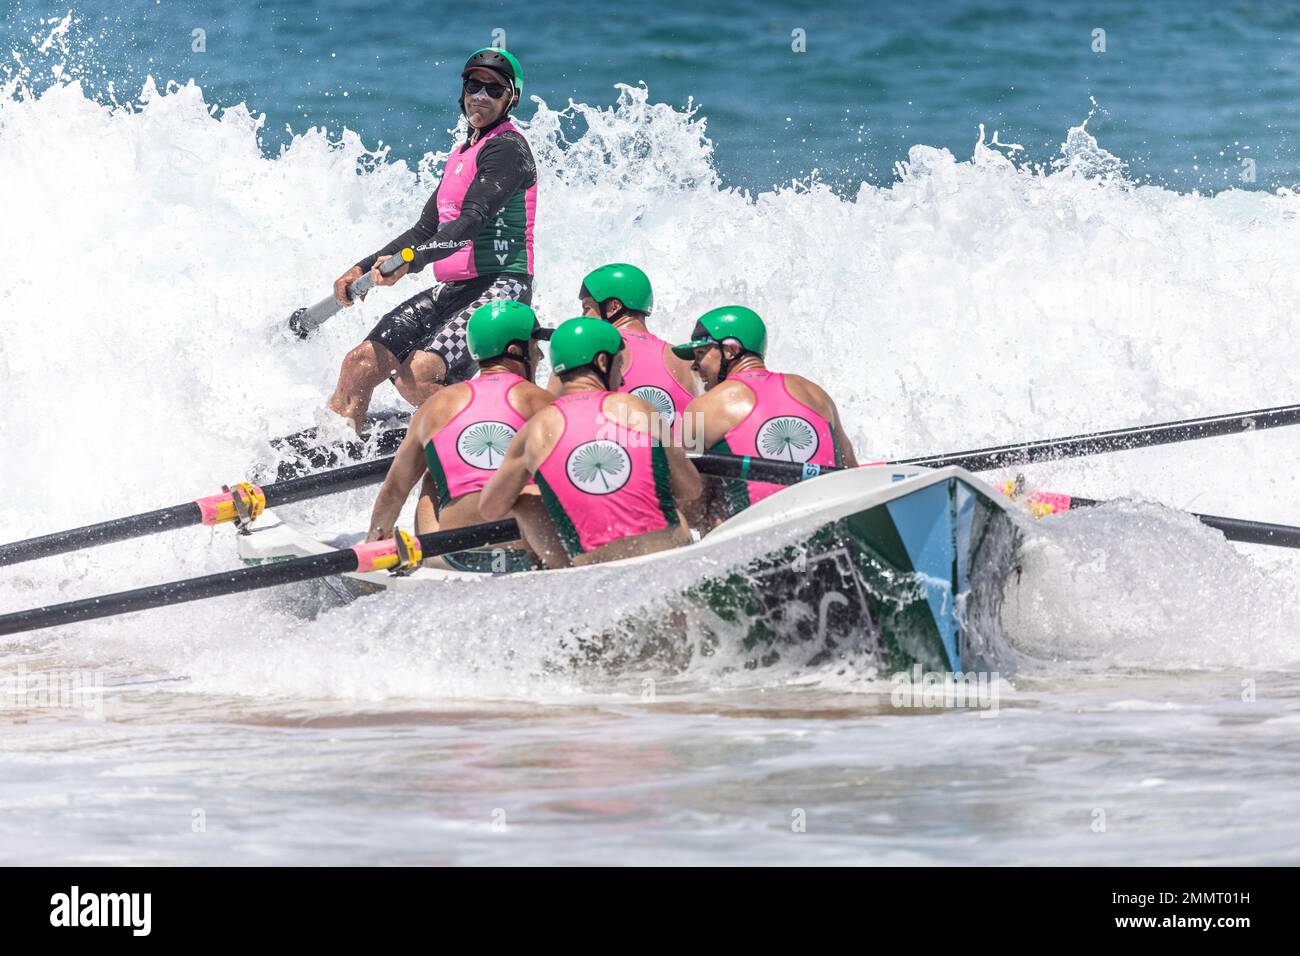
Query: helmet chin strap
(527,363)
(724,363)
(616,316)
(604,376)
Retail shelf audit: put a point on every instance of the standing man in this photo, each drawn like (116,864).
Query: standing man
(621,295)
(476,229)
(610,475)
(459,437)
(749,410)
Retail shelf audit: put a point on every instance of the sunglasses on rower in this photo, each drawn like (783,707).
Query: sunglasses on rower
(494,90)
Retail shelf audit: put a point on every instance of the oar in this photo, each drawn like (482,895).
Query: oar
(1234,529)
(308,319)
(1118,439)
(403,551)
(1046,449)
(241,503)
(790,473)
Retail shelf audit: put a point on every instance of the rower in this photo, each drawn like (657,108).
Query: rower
(459,437)
(621,295)
(476,229)
(749,410)
(610,475)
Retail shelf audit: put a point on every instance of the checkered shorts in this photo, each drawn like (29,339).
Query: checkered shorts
(435,320)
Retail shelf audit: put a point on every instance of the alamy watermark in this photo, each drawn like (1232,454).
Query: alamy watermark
(932,689)
(631,429)
(79,690)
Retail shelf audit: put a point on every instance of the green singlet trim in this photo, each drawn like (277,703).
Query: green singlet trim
(560,518)
(443,497)
(663,483)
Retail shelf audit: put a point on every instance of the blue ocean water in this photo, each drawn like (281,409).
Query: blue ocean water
(1191,95)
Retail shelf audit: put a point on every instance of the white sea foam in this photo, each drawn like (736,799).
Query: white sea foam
(156,251)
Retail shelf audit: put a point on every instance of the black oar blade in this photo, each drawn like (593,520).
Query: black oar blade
(305,453)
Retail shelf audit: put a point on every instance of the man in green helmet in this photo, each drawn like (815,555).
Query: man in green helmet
(750,410)
(458,438)
(621,295)
(477,231)
(610,475)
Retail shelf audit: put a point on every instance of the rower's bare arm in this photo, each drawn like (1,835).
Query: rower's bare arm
(407,469)
(499,494)
(685,478)
(847,458)
(711,417)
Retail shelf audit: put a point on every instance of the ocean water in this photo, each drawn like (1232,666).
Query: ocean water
(949,290)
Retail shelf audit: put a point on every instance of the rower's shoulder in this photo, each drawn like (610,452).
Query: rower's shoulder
(510,143)
(528,398)
(439,408)
(806,389)
(723,392)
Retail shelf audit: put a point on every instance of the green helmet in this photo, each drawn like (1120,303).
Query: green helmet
(729,322)
(494,326)
(618,280)
(499,61)
(577,342)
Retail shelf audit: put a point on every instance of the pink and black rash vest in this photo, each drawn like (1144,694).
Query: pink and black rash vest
(598,489)
(646,376)
(464,453)
(479,221)
(505,243)
(778,426)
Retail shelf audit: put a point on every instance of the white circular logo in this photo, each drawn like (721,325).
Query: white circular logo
(483,444)
(599,467)
(660,399)
(787,437)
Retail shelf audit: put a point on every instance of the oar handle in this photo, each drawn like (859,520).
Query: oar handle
(306,320)
(361,557)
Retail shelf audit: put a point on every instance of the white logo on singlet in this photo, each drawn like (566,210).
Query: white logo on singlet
(787,437)
(659,398)
(599,467)
(484,444)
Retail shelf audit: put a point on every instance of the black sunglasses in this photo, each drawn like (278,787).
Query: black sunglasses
(494,90)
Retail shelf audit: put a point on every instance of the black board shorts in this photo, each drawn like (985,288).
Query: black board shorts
(435,320)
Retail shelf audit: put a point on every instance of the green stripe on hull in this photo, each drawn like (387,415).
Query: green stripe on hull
(851,587)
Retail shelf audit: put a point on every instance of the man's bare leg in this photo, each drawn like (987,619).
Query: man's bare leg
(420,377)
(364,368)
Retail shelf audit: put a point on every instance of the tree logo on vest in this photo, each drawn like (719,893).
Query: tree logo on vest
(484,444)
(659,398)
(787,437)
(599,467)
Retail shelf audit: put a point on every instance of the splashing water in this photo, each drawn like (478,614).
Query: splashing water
(160,248)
